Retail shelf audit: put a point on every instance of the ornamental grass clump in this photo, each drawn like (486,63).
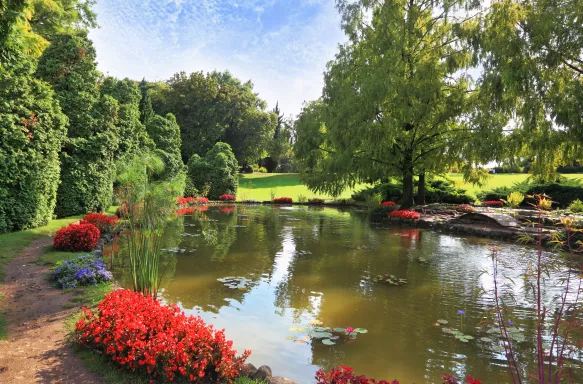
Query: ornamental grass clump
(76,237)
(81,270)
(105,223)
(159,341)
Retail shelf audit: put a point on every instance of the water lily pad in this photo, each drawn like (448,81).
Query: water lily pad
(328,342)
(497,348)
(306,337)
(338,329)
(442,322)
(360,330)
(321,335)
(334,337)
(315,322)
(486,340)
(320,329)
(301,342)
(297,329)
(447,330)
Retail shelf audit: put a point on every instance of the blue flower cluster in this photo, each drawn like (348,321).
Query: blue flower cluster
(81,270)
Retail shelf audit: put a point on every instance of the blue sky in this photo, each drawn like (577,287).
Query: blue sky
(281,45)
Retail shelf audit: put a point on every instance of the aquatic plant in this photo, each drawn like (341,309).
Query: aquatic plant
(104,223)
(76,237)
(162,342)
(329,336)
(81,270)
(389,279)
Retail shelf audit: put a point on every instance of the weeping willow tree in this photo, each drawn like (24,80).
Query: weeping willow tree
(149,206)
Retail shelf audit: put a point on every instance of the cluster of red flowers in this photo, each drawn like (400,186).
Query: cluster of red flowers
(104,223)
(202,200)
(345,375)
(138,332)
(465,208)
(492,203)
(282,200)
(405,214)
(227,197)
(185,200)
(76,237)
(388,204)
(185,211)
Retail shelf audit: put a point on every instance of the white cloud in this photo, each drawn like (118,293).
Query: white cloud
(282,46)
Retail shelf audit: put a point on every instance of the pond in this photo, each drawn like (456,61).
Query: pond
(308,267)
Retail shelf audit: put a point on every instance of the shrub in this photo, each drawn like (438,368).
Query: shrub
(465,208)
(202,200)
(81,270)
(282,200)
(76,237)
(227,197)
(373,200)
(492,203)
(262,170)
(316,201)
(347,202)
(104,223)
(514,199)
(387,204)
(443,191)
(576,206)
(185,200)
(302,199)
(157,340)
(405,214)
(218,168)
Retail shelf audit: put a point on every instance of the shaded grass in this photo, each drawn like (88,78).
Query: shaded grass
(3,330)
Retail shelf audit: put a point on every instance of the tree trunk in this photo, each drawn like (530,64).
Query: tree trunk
(421,189)
(408,195)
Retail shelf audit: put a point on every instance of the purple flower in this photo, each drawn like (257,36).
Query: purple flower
(461,312)
(510,323)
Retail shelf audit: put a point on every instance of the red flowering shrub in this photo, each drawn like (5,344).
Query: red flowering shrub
(76,237)
(282,200)
(202,200)
(345,375)
(161,341)
(185,200)
(465,208)
(450,379)
(387,204)
(104,223)
(492,203)
(405,214)
(227,197)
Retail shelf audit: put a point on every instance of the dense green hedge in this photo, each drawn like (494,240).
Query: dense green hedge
(218,169)
(32,128)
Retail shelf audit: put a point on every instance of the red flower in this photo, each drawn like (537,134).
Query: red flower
(388,204)
(282,200)
(185,211)
(157,340)
(76,237)
(202,200)
(492,203)
(185,200)
(103,222)
(405,214)
(227,197)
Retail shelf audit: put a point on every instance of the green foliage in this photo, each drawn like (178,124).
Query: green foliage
(88,154)
(302,199)
(372,200)
(218,169)
(514,199)
(146,110)
(576,206)
(216,107)
(437,191)
(32,130)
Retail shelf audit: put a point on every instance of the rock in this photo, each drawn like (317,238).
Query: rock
(248,370)
(280,380)
(97,253)
(263,373)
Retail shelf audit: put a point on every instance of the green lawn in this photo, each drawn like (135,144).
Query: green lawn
(258,186)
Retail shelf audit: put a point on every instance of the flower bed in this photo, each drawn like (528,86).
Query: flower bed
(104,223)
(282,200)
(227,197)
(161,341)
(387,204)
(492,203)
(405,214)
(185,200)
(465,208)
(81,270)
(76,237)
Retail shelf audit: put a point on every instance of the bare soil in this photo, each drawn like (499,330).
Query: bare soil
(36,350)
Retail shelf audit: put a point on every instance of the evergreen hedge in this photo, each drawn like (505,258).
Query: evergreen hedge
(218,169)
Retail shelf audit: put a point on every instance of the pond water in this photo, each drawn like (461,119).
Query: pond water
(307,266)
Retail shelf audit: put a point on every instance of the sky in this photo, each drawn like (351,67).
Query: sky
(282,46)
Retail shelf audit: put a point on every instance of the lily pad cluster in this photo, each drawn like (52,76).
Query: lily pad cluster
(389,279)
(235,282)
(458,334)
(329,336)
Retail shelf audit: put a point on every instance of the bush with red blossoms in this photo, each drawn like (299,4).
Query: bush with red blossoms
(140,333)
(104,223)
(405,214)
(345,375)
(492,203)
(185,200)
(77,237)
(282,200)
(202,200)
(387,204)
(227,197)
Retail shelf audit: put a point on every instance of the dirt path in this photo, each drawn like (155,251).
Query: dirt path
(36,350)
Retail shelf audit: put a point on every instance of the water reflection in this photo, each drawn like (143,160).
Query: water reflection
(317,263)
